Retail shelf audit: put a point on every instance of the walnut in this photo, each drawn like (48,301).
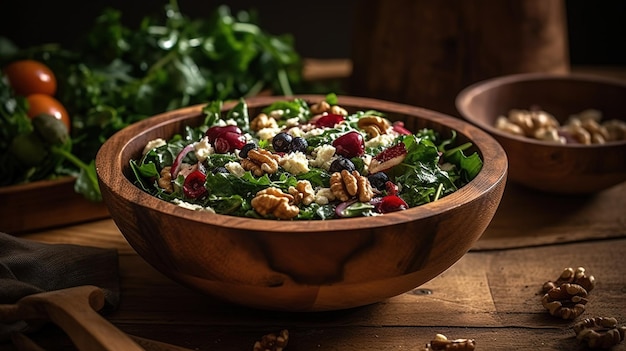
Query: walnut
(572,276)
(338,110)
(272,342)
(262,121)
(346,185)
(260,161)
(324,107)
(272,201)
(600,332)
(374,125)
(566,301)
(530,121)
(320,108)
(165,180)
(441,342)
(303,192)
(616,129)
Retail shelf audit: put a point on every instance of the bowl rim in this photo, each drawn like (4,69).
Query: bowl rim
(109,168)
(471,91)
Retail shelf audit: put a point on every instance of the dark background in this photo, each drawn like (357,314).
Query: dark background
(322,29)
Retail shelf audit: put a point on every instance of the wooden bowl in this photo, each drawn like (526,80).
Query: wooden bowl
(550,167)
(298,265)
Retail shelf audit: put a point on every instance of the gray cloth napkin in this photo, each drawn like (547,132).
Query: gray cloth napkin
(28,267)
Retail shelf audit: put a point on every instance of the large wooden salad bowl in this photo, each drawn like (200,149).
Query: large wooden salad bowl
(298,265)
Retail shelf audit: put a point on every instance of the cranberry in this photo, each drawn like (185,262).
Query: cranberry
(392,188)
(215,131)
(391,203)
(193,187)
(229,141)
(329,120)
(281,142)
(350,144)
(398,126)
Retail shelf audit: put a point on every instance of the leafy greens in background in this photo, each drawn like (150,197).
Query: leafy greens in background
(118,75)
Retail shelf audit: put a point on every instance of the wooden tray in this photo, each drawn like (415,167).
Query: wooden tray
(45,204)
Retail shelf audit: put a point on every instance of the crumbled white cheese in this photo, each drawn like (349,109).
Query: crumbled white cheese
(314,132)
(292,122)
(295,163)
(381,140)
(323,196)
(367,159)
(203,149)
(153,144)
(296,132)
(235,168)
(191,206)
(324,156)
(268,133)
(277,114)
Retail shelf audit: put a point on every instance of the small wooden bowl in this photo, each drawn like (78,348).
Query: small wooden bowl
(550,167)
(298,265)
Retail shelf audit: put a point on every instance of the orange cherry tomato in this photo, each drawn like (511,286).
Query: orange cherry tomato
(42,103)
(31,77)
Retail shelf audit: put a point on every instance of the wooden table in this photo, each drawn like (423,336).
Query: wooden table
(491,295)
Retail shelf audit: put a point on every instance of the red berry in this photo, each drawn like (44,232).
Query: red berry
(350,144)
(193,187)
(399,128)
(216,131)
(229,141)
(329,120)
(391,203)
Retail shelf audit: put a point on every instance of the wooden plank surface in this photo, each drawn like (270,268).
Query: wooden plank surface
(491,296)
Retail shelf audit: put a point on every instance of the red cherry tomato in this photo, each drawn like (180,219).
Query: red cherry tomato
(31,77)
(41,103)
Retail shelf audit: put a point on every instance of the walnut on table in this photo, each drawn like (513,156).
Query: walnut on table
(573,276)
(600,332)
(566,301)
(272,341)
(442,343)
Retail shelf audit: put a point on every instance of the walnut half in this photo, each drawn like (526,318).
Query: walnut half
(272,342)
(346,185)
(600,332)
(566,301)
(442,343)
(573,276)
(272,201)
(260,162)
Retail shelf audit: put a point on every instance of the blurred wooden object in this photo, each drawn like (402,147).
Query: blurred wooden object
(423,52)
(45,204)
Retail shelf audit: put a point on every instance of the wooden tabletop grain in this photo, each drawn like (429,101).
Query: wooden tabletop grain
(492,295)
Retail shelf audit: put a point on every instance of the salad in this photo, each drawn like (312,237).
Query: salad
(302,161)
